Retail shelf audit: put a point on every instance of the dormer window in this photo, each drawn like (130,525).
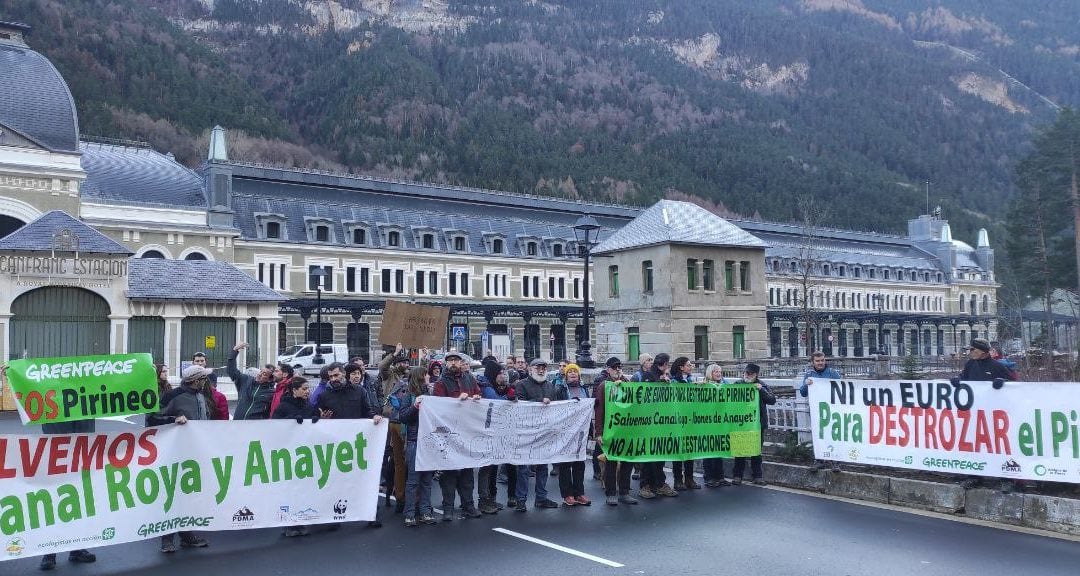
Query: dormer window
(884,275)
(428,241)
(393,238)
(319,229)
(459,243)
(495,242)
(531,249)
(556,250)
(424,238)
(826,270)
(322,233)
(497,246)
(271,226)
(359,236)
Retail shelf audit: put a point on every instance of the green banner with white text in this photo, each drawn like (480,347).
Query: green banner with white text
(49,390)
(652,422)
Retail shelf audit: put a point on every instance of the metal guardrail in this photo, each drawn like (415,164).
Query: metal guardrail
(792,415)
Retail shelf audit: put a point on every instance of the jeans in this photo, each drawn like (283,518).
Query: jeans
(418,485)
(652,474)
(541,473)
(714,468)
(461,481)
(740,466)
(510,471)
(572,479)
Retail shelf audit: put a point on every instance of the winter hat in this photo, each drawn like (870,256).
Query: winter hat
(193,372)
(572,366)
(752,368)
(613,362)
(491,371)
(981,344)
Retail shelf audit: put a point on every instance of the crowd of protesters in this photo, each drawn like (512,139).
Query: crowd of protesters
(396,394)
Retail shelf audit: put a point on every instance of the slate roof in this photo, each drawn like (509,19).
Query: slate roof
(512,220)
(133,175)
(670,221)
(865,253)
(202,280)
(37,236)
(35,101)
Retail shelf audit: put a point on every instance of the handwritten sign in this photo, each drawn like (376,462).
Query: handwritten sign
(414,325)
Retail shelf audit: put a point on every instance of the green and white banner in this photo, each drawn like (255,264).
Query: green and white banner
(65,492)
(1025,430)
(83,387)
(652,422)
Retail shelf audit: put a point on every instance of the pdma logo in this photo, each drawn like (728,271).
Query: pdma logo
(243,516)
(1011,466)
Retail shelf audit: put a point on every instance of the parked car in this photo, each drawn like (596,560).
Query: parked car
(303,359)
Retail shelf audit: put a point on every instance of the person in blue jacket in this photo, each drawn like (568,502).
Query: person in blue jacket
(819,370)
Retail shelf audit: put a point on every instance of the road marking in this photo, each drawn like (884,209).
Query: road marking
(928,513)
(558,547)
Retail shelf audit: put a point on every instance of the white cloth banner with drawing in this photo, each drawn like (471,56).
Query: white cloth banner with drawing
(457,434)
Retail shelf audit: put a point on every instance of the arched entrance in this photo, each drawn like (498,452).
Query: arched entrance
(9,224)
(59,321)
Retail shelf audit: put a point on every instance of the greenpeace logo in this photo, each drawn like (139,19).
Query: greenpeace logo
(173,524)
(946,464)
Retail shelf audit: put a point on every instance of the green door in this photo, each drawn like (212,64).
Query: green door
(59,321)
(147,334)
(633,344)
(197,332)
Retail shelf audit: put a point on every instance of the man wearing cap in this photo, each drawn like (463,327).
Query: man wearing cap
(536,388)
(188,401)
(980,367)
(458,382)
(765,397)
(616,474)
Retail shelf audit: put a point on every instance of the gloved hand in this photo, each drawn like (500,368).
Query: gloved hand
(998,383)
(299,419)
(511,394)
(955,381)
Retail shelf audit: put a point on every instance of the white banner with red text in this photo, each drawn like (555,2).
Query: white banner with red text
(456,434)
(69,491)
(1025,430)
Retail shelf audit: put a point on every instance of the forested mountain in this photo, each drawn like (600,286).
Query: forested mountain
(748,105)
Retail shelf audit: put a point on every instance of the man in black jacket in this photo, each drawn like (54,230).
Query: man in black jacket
(253,394)
(980,367)
(536,388)
(342,400)
(653,481)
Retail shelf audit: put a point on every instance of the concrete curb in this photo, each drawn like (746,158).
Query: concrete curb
(1051,513)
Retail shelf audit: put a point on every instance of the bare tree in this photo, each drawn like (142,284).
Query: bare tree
(808,259)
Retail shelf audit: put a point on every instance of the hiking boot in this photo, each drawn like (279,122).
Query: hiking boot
(374,524)
(167,546)
(511,502)
(489,507)
(410,522)
(583,501)
(48,562)
(665,490)
(569,501)
(736,481)
(520,506)
(545,503)
(448,514)
(712,484)
(760,482)
(469,511)
(693,485)
(680,487)
(612,500)
(81,557)
(428,519)
(291,532)
(646,493)
(194,542)
(627,499)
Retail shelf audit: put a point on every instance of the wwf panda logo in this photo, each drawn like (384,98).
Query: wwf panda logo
(340,506)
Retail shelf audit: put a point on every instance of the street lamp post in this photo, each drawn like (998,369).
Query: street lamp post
(587,231)
(955,344)
(319,273)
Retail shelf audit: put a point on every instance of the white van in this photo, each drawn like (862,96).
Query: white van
(303,359)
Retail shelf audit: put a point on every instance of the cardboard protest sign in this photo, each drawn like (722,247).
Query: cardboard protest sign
(49,390)
(414,325)
(654,422)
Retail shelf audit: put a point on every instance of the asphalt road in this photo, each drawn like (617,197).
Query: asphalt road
(737,530)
